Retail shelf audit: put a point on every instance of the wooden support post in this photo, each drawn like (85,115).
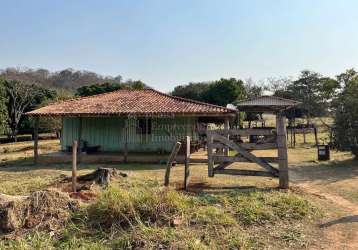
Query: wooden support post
(74,165)
(125,159)
(187,162)
(79,151)
(146,129)
(294,132)
(36,140)
(171,158)
(210,155)
(315,135)
(227,127)
(282,150)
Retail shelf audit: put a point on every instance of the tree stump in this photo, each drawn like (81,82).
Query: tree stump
(101,176)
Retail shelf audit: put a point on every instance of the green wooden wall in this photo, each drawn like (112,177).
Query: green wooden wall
(111,133)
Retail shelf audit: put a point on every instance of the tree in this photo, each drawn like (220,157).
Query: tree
(3,111)
(252,90)
(313,90)
(345,108)
(220,92)
(96,89)
(21,97)
(50,123)
(194,91)
(225,91)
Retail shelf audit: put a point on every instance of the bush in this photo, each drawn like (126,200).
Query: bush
(346,114)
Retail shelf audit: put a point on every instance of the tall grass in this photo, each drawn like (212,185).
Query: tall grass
(133,215)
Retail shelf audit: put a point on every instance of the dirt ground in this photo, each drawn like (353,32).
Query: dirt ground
(333,184)
(340,224)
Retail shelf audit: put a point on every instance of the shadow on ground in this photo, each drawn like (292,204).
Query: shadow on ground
(346,219)
(331,171)
(27,164)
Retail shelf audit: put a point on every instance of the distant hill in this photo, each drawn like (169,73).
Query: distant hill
(68,79)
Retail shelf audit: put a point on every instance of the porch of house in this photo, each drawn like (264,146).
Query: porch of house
(199,156)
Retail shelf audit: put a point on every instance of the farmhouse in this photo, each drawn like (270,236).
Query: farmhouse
(131,120)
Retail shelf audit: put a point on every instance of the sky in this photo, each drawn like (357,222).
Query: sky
(165,43)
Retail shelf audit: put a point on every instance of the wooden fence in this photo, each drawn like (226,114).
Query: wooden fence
(221,141)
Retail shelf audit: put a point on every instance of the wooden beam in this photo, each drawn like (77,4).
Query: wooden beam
(187,162)
(221,158)
(251,146)
(210,156)
(244,132)
(36,140)
(244,172)
(170,160)
(242,151)
(282,150)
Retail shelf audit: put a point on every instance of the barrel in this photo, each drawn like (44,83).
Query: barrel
(323,152)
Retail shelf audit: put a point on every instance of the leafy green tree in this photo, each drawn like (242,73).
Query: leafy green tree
(221,92)
(346,113)
(225,91)
(313,90)
(96,89)
(194,91)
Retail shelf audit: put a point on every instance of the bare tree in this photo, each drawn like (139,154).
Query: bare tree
(20,97)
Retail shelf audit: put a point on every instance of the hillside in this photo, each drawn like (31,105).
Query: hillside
(69,79)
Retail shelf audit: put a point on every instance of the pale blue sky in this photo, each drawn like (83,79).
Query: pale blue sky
(166,43)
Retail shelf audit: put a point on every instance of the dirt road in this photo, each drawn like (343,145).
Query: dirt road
(340,229)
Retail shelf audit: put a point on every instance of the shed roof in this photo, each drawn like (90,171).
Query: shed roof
(126,102)
(267,104)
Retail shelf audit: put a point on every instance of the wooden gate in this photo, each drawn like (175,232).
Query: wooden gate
(220,142)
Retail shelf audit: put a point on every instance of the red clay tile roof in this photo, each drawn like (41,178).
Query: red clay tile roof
(122,102)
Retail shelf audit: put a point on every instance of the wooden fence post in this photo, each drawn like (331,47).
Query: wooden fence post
(210,154)
(171,158)
(187,162)
(74,165)
(36,140)
(282,150)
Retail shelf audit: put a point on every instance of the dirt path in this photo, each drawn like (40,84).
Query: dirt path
(339,231)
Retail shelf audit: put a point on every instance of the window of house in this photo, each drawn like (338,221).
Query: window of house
(144,126)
